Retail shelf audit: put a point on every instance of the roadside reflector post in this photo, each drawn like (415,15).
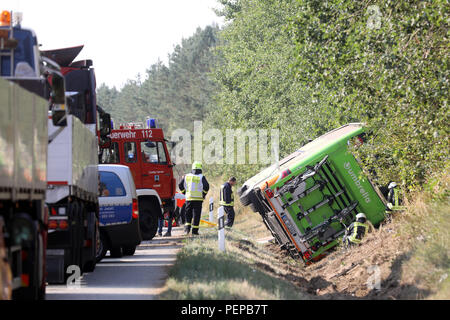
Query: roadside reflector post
(221,225)
(211,209)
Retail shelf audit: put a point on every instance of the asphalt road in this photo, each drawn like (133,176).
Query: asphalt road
(138,277)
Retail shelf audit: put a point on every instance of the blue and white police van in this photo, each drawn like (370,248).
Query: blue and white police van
(119,214)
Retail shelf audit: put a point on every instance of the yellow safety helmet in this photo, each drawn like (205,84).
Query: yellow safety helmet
(197,165)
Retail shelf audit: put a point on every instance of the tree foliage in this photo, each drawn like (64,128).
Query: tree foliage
(384,63)
(306,67)
(257,88)
(176,94)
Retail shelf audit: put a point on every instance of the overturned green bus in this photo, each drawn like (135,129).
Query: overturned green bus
(308,198)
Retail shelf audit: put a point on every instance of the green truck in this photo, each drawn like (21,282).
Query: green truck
(307,199)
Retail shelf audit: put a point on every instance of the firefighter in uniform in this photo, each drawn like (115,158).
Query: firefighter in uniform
(227,200)
(195,186)
(356,231)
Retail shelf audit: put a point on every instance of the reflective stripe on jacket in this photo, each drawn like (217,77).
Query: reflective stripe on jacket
(226,195)
(193,186)
(358,232)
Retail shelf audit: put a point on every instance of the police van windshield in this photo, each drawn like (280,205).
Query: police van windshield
(153,152)
(111,185)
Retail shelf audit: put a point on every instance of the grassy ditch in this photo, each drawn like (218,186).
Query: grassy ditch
(410,253)
(244,271)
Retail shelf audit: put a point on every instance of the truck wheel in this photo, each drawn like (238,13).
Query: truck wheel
(75,250)
(249,198)
(102,248)
(129,251)
(246,197)
(89,266)
(241,190)
(25,233)
(116,252)
(149,214)
(81,215)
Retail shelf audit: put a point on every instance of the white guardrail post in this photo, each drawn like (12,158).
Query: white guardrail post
(221,225)
(211,209)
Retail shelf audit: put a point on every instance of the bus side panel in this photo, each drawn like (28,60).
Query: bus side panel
(359,186)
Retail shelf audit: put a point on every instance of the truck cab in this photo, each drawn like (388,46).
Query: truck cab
(144,150)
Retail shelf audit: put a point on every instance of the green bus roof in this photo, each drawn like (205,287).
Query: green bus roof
(303,156)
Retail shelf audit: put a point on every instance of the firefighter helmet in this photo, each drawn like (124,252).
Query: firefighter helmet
(361,216)
(197,165)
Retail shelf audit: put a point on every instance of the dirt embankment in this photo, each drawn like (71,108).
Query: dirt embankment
(373,270)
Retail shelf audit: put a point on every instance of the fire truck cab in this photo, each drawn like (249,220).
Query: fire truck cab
(143,149)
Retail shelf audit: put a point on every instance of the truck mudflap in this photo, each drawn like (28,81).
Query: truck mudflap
(55,266)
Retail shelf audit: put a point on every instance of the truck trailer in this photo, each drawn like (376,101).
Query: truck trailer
(25,100)
(72,176)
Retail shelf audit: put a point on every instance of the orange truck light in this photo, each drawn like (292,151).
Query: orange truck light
(53,224)
(5,18)
(63,224)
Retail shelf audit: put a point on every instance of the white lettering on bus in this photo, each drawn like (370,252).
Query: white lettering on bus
(357,182)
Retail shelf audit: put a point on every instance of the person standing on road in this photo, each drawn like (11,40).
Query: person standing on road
(161,223)
(227,200)
(180,208)
(356,231)
(195,186)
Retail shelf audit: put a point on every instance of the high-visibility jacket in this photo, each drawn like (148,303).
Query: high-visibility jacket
(394,201)
(194,187)
(226,195)
(357,231)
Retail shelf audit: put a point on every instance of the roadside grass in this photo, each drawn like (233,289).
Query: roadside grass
(426,228)
(247,270)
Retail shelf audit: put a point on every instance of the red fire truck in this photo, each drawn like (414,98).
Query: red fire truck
(144,150)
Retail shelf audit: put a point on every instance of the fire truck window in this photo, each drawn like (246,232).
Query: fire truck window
(130,152)
(149,152)
(162,153)
(111,155)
